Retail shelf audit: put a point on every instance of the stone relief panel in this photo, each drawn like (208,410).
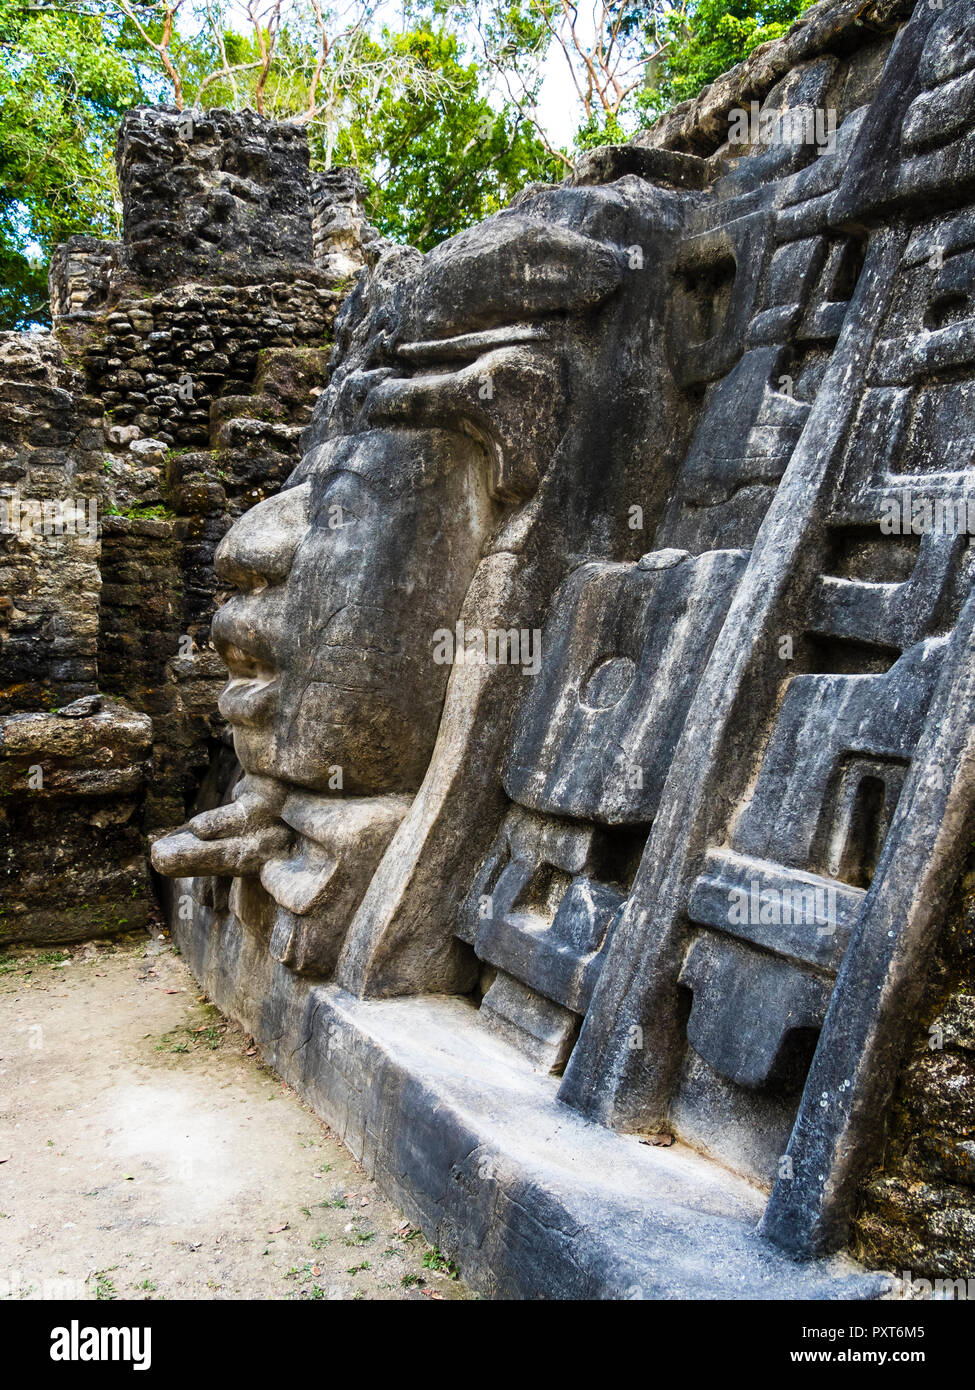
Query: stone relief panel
(625,646)
(804,829)
(680,438)
(455,423)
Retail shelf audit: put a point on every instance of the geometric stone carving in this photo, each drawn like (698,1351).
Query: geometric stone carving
(625,648)
(671,856)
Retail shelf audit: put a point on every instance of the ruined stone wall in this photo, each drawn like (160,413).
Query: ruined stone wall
(72,773)
(51,483)
(211,196)
(81,274)
(184,364)
(161,361)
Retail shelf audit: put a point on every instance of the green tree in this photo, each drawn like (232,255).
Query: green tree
(629,59)
(435,158)
(441,137)
(66,76)
(705,39)
(406,108)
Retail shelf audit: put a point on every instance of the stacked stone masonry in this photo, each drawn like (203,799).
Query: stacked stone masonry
(183,365)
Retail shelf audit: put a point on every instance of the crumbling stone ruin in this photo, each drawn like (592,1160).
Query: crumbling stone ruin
(596,858)
(171,396)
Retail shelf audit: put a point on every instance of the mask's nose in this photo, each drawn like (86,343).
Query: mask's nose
(259,548)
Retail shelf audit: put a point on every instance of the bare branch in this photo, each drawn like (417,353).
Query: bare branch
(170,9)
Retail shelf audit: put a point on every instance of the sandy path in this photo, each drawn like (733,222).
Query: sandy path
(146,1155)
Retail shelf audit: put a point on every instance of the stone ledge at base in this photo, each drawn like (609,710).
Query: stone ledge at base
(531,1200)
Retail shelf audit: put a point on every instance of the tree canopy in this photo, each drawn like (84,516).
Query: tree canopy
(441,112)
(66,77)
(710,37)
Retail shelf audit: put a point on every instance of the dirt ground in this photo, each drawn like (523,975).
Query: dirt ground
(146,1152)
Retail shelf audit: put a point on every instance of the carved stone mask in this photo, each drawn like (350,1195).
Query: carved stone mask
(445,412)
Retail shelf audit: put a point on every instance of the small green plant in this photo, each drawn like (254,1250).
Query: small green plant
(105,1289)
(155,513)
(360,1238)
(355,1269)
(409,1281)
(436,1260)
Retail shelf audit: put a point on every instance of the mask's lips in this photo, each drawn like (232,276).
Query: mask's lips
(250,694)
(466,347)
(248,702)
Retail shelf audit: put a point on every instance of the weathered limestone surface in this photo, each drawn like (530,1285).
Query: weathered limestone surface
(344,240)
(213,194)
(602,684)
(592,851)
(171,396)
(49,577)
(858,31)
(72,782)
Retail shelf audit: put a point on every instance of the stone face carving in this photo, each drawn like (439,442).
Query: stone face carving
(454,422)
(690,423)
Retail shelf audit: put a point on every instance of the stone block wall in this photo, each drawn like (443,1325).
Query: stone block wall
(208,194)
(81,274)
(341,234)
(184,363)
(50,492)
(72,853)
(162,361)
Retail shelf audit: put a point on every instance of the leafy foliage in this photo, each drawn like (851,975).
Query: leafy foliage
(65,78)
(409,107)
(436,163)
(711,37)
